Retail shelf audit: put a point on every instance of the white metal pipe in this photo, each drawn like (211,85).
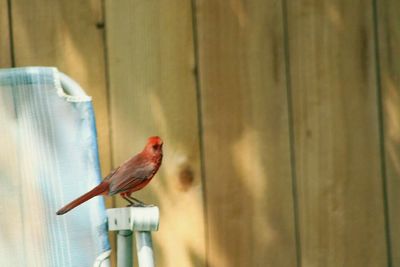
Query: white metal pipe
(144,248)
(141,220)
(103,260)
(124,248)
(133,218)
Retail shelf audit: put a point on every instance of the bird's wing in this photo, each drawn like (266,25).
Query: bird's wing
(129,176)
(125,185)
(111,173)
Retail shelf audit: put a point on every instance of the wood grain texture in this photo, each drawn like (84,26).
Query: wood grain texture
(336,130)
(5,51)
(246,137)
(64,34)
(389,43)
(152,89)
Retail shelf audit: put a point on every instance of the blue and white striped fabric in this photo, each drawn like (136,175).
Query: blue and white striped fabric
(48,157)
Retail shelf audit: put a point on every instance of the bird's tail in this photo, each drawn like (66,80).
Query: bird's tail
(98,190)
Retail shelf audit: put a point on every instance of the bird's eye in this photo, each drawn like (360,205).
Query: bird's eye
(155,146)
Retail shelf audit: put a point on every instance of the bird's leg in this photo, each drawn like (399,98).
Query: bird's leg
(140,203)
(137,200)
(127,199)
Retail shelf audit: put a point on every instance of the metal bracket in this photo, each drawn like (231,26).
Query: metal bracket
(133,218)
(141,220)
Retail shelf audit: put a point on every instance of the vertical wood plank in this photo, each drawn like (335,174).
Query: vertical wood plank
(246,137)
(64,34)
(336,129)
(152,88)
(68,35)
(5,51)
(389,44)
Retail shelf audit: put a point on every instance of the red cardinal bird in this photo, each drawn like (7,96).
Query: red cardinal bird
(131,176)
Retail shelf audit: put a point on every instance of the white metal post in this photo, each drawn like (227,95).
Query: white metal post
(144,248)
(141,220)
(124,248)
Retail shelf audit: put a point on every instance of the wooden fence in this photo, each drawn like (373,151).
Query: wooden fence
(281,119)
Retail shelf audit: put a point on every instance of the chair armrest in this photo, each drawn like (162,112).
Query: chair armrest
(141,220)
(133,218)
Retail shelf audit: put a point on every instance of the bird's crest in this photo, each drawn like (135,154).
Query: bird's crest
(155,140)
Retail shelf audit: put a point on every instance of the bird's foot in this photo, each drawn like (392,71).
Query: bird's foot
(140,205)
(134,205)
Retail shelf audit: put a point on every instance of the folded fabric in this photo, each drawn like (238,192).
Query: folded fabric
(48,157)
